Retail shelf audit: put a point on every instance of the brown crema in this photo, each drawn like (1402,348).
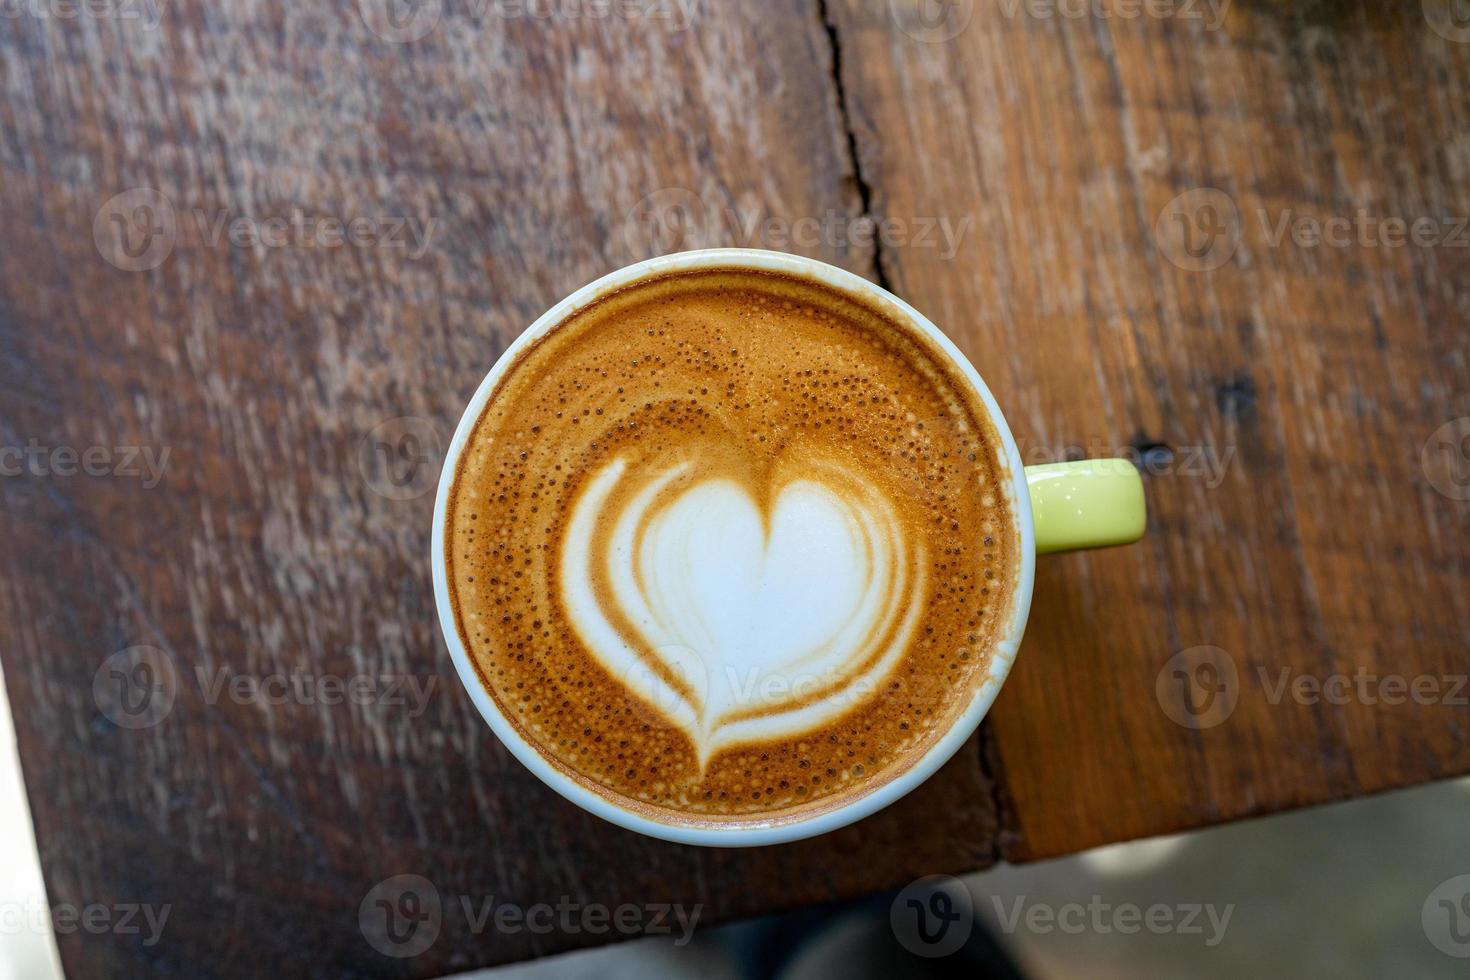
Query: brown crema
(755,381)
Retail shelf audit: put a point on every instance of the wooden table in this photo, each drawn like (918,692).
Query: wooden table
(1105,213)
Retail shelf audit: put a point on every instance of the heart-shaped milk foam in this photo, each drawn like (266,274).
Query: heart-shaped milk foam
(737,624)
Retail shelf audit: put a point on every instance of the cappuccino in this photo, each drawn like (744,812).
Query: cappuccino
(729,546)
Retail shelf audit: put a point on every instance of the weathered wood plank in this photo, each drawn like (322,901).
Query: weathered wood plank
(520,150)
(1287,390)
(1284,394)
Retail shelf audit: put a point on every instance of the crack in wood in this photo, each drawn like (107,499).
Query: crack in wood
(844,108)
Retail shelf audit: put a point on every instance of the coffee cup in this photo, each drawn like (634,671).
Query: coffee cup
(1052,508)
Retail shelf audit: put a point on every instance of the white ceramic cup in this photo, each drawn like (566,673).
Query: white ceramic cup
(1089,504)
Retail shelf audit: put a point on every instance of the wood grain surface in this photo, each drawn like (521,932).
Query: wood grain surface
(1281,395)
(256,258)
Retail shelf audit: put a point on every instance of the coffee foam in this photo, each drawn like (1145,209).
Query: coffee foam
(729,546)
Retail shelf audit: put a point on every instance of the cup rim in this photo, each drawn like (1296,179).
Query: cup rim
(775,831)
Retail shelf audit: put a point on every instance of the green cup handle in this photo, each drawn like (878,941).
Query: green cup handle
(1092,503)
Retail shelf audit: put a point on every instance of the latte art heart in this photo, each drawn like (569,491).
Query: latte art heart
(740,619)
